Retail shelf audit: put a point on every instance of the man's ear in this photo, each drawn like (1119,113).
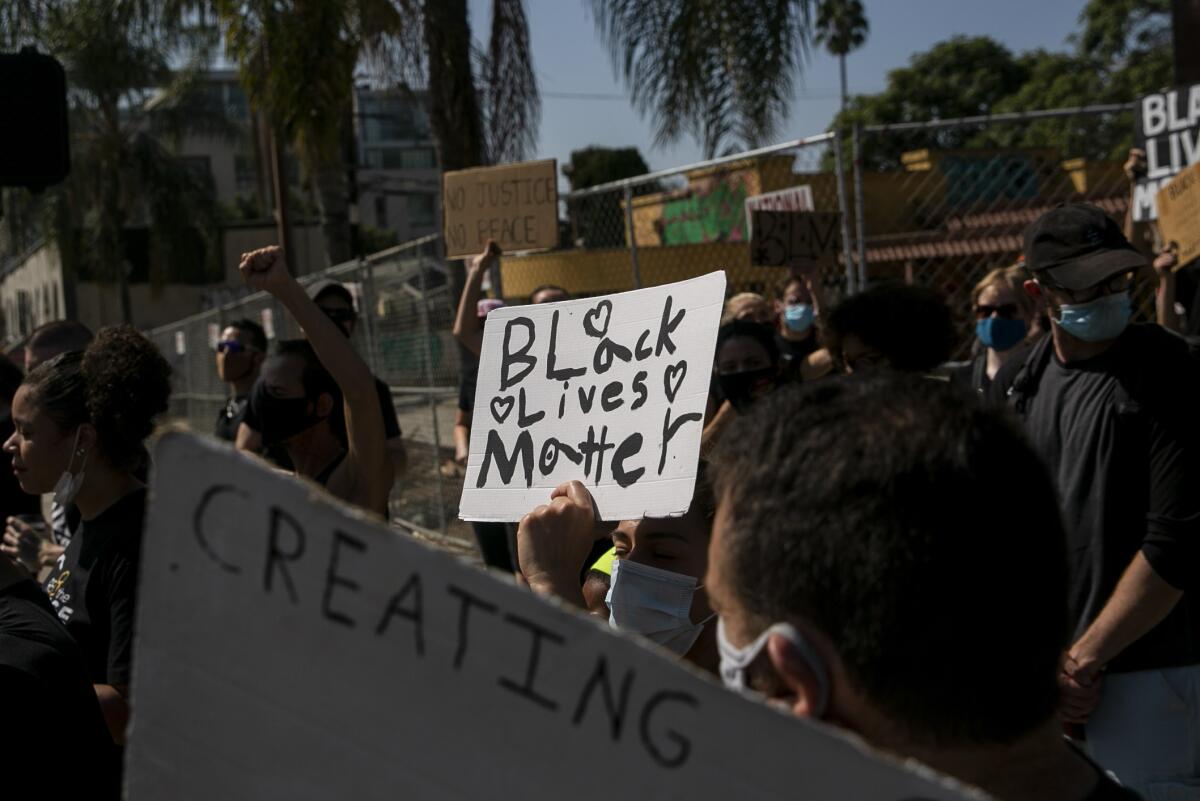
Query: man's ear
(804,692)
(1033,289)
(324,405)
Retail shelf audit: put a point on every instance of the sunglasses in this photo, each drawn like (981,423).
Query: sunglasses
(1006,310)
(232,347)
(1121,282)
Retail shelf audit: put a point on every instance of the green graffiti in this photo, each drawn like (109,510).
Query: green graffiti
(716,215)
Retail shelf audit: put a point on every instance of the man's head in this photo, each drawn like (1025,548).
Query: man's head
(865,513)
(749,306)
(549,293)
(904,327)
(295,392)
(1083,267)
(336,301)
(51,339)
(240,351)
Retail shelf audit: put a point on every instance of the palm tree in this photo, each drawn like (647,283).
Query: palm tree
(126,104)
(720,70)
(841,26)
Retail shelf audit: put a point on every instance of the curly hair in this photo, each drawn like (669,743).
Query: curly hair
(120,384)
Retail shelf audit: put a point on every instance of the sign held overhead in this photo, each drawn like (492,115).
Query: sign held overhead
(610,391)
(1179,214)
(1167,127)
(783,238)
(288,647)
(516,205)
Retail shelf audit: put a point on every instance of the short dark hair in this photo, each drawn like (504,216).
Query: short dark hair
(335,288)
(762,334)
(547,288)
(254,331)
(315,378)
(61,336)
(860,504)
(910,325)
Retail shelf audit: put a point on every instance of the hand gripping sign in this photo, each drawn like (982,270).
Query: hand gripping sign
(290,648)
(610,391)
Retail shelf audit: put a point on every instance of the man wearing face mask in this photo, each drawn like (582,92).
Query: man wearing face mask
(1110,406)
(798,308)
(850,590)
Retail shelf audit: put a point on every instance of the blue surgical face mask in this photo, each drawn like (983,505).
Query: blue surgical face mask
(1000,333)
(656,604)
(734,661)
(798,317)
(1097,320)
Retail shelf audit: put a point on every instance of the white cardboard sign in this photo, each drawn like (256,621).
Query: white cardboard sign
(608,390)
(288,648)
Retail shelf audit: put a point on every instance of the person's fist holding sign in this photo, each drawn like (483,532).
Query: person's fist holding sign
(554,540)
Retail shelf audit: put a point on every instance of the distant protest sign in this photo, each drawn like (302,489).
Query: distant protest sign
(609,390)
(289,648)
(783,238)
(794,198)
(1179,214)
(516,205)
(1167,127)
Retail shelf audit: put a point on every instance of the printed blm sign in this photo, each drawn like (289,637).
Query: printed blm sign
(289,648)
(1167,127)
(516,205)
(610,391)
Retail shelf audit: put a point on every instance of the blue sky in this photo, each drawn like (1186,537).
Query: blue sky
(569,58)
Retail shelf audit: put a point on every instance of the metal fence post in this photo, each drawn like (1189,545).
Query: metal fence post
(633,254)
(843,207)
(366,269)
(860,214)
(427,332)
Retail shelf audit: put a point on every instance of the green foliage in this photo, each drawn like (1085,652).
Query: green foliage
(841,25)
(598,221)
(599,165)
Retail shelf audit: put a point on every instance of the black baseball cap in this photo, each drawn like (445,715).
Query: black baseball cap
(1076,246)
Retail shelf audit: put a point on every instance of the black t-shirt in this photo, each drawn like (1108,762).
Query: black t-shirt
(337,418)
(1119,433)
(230,417)
(94,584)
(54,736)
(972,376)
(792,353)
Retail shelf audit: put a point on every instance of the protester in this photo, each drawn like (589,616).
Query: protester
(495,540)
(1004,315)
(81,420)
(655,588)
(22,513)
(749,306)
(301,385)
(746,368)
(857,581)
(1110,406)
(907,328)
(798,310)
(55,734)
(1177,299)
(337,303)
(53,338)
(240,354)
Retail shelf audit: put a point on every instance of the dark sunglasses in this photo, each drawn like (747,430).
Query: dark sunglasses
(1121,282)
(339,315)
(232,347)
(1006,310)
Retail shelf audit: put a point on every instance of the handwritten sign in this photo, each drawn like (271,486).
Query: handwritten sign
(287,647)
(794,198)
(781,238)
(516,205)
(1179,214)
(610,391)
(1167,127)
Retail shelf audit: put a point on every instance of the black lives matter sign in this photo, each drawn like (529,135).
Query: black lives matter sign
(609,391)
(786,238)
(1167,127)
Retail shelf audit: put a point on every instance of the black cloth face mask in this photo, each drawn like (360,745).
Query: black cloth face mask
(282,418)
(743,388)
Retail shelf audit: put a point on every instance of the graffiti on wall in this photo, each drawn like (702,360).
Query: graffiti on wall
(711,211)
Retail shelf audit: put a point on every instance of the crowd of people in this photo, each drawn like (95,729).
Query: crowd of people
(984,566)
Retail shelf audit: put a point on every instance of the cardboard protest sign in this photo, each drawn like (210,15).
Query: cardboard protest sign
(1167,127)
(516,205)
(610,391)
(287,648)
(781,238)
(1179,214)
(794,198)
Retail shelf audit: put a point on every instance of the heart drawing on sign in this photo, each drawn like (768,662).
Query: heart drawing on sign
(673,378)
(502,406)
(603,308)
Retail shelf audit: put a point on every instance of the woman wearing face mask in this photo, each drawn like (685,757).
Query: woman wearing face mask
(1003,317)
(746,368)
(300,385)
(656,568)
(81,420)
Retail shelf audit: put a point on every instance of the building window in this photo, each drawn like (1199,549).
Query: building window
(381,211)
(399,158)
(420,210)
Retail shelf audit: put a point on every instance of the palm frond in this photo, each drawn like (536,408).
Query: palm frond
(512,107)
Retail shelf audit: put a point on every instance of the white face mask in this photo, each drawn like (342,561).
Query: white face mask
(69,484)
(735,661)
(656,604)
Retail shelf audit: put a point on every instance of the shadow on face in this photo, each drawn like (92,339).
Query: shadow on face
(39,449)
